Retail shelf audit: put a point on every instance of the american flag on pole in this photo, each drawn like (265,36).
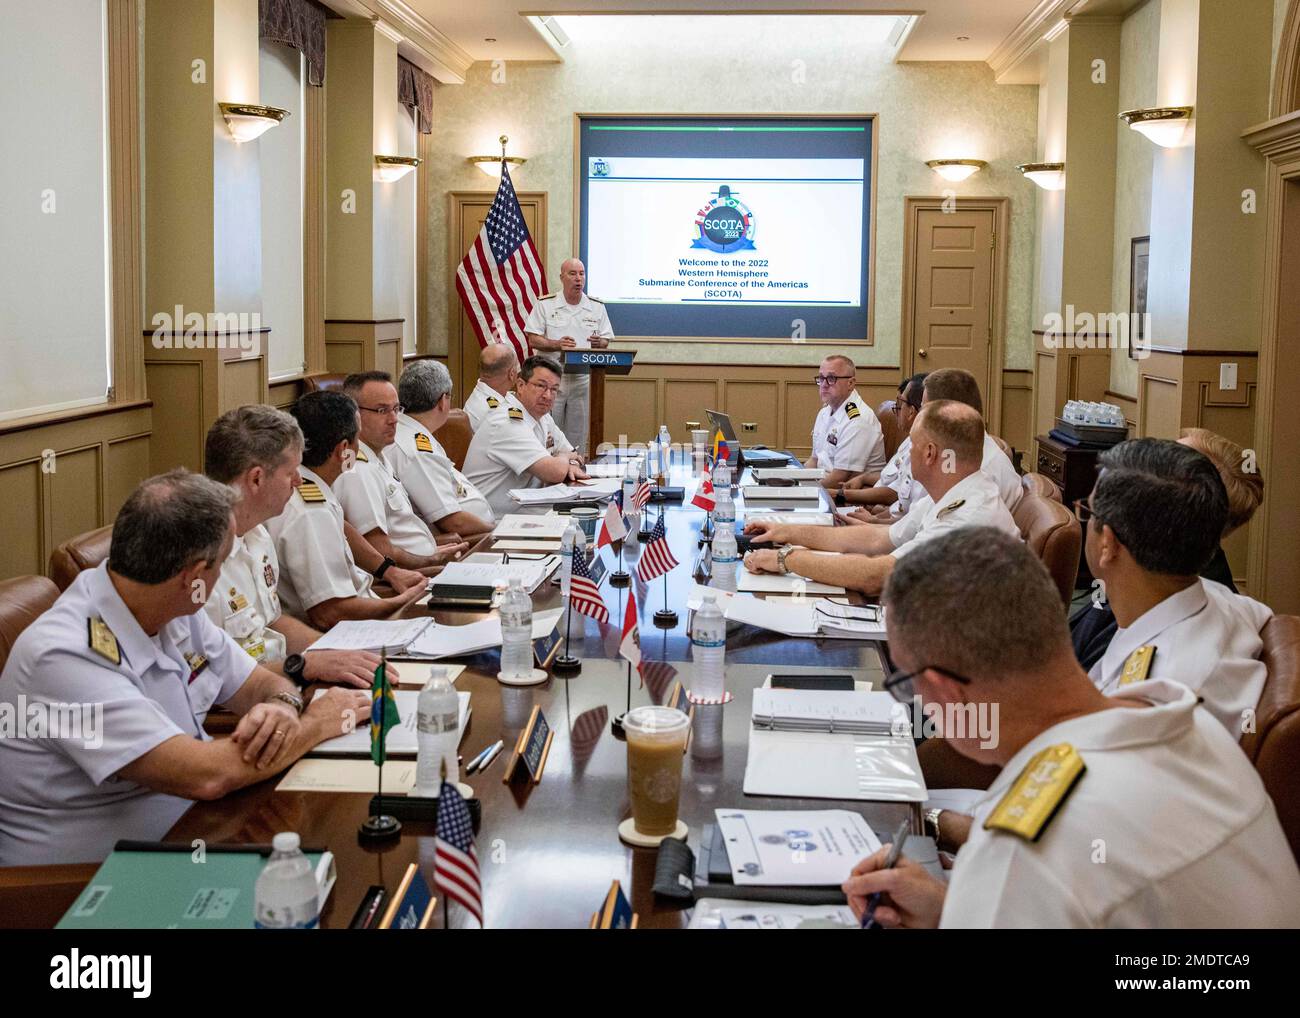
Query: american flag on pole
(656,556)
(584,595)
(501,277)
(641,497)
(455,863)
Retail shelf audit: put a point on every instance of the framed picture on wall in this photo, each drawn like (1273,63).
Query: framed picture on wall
(1139,257)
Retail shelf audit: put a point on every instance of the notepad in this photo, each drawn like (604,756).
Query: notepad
(774,583)
(334,775)
(393,635)
(487,569)
(798,493)
(762,474)
(552,525)
(402,739)
(824,710)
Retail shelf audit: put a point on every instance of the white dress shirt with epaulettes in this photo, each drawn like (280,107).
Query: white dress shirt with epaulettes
(61,797)
(971,502)
(848,437)
(483,400)
(374,499)
(245,601)
(510,441)
(436,488)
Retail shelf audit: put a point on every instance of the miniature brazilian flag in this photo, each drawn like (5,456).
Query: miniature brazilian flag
(383,713)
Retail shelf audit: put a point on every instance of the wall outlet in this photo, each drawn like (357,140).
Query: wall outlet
(1228,376)
(749,426)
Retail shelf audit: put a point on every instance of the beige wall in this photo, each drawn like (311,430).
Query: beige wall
(1053,96)
(671,65)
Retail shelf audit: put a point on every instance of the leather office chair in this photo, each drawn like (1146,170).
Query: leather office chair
(1053,534)
(323,382)
(1274,746)
(1041,485)
(1004,447)
(22,600)
(889,425)
(454,436)
(85,551)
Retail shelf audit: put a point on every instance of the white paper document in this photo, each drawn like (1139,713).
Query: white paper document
(762,474)
(486,568)
(439,641)
(372,634)
(552,526)
(774,583)
(814,765)
(696,597)
(797,517)
(402,739)
(330,774)
(764,493)
(618,470)
(804,848)
(534,547)
(415,674)
(560,494)
(827,710)
(728,914)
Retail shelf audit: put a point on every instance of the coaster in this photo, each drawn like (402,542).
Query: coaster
(537,677)
(628,833)
(727,697)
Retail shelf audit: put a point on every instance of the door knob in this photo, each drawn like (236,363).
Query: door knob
(920,353)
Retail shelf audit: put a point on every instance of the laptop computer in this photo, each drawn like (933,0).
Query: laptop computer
(754,457)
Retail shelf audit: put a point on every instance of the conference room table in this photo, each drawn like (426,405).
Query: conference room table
(548,852)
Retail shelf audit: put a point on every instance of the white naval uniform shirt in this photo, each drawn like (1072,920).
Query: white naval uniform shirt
(374,499)
(849,438)
(245,602)
(898,476)
(483,400)
(553,318)
(510,441)
(971,502)
(995,466)
(437,489)
(1190,836)
(316,563)
(1207,638)
(61,799)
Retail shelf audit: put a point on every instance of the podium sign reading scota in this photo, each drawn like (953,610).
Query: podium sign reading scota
(614,362)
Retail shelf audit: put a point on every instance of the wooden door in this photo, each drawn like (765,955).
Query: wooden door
(468,210)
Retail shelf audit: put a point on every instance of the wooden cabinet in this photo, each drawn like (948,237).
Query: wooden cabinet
(1073,469)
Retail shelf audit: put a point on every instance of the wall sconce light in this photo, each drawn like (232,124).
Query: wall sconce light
(956,169)
(491,165)
(391,168)
(248,121)
(1048,176)
(1165,125)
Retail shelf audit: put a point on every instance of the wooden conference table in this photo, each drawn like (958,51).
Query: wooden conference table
(548,852)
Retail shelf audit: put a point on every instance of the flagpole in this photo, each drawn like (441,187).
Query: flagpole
(566,663)
(379,826)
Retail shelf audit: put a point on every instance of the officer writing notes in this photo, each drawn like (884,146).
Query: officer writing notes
(570,320)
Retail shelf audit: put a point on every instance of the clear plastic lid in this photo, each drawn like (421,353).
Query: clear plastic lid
(286,841)
(655,722)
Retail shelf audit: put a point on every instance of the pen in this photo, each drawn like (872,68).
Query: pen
(891,860)
(479,758)
(492,755)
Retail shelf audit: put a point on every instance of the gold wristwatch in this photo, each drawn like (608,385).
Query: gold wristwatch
(782,554)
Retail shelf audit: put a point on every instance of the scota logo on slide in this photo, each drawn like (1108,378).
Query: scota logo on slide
(725,224)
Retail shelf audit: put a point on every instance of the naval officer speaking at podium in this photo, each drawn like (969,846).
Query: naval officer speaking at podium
(570,320)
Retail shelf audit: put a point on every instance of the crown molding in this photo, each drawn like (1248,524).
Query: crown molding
(1026,36)
(421,41)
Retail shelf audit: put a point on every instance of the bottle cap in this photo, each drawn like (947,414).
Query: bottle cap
(286,841)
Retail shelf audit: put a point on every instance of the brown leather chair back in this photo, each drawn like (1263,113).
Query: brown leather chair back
(1274,746)
(454,436)
(85,551)
(889,425)
(1053,534)
(22,601)
(1001,444)
(323,383)
(1041,485)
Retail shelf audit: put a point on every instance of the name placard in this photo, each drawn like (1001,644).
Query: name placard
(531,749)
(544,647)
(597,569)
(678,700)
(413,904)
(616,911)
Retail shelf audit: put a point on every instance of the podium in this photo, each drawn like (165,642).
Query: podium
(597,363)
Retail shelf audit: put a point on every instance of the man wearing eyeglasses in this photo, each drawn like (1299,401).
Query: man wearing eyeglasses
(1109,811)
(570,320)
(846,437)
(522,446)
(374,500)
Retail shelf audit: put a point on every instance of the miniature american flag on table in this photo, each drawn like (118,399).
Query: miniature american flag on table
(455,863)
(656,556)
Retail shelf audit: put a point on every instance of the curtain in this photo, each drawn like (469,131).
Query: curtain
(415,89)
(296,23)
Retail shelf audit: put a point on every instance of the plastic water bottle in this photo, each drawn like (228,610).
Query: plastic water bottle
(286,896)
(723,553)
(437,726)
(709,648)
(722,476)
(629,497)
(573,540)
(665,450)
(516,631)
(724,507)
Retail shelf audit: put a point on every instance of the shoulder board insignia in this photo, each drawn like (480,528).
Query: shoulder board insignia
(515,414)
(493,402)
(950,507)
(596,299)
(1036,795)
(851,410)
(103,642)
(546,296)
(311,492)
(362,457)
(1137,665)
(422,443)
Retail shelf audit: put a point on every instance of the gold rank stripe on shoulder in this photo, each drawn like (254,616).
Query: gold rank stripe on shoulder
(422,443)
(362,457)
(311,493)
(596,299)
(493,402)
(1037,793)
(851,410)
(546,296)
(1137,666)
(951,507)
(515,414)
(103,642)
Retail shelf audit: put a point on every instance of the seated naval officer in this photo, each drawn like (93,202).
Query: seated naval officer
(320,579)
(889,492)
(374,500)
(256,450)
(1154,520)
(442,496)
(947,445)
(522,446)
(1108,811)
(498,367)
(123,670)
(1093,627)
(846,437)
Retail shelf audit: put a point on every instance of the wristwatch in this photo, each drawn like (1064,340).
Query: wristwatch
(378,574)
(840,500)
(783,553)
(294,666)
(932,824)
(292,699)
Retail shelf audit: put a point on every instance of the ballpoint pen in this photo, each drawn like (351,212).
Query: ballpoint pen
(492,755)
(891,860)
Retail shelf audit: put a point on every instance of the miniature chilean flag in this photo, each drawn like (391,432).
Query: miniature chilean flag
(614,529)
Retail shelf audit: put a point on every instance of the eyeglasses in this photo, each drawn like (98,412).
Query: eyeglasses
(383,411)
(902,686)
(554,390)
(1083,510)
(830,379)
(900,403)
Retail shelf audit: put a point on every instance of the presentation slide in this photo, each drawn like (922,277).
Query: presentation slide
(728,227)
